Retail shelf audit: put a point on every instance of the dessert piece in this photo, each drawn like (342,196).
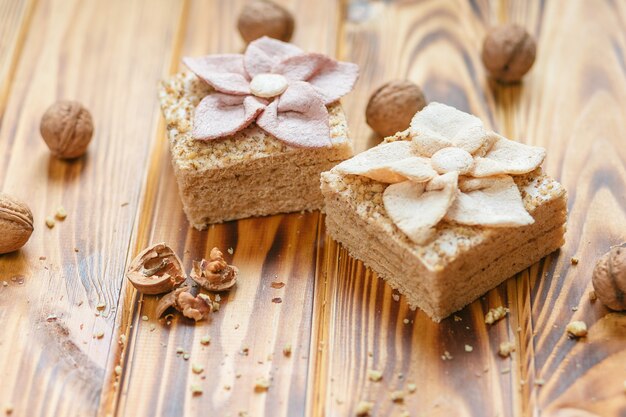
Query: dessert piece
(250,134)
(445,210)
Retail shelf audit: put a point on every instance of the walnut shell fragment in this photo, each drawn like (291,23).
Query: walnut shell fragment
(197,308)
(214,274)
(156,270)
(609,278)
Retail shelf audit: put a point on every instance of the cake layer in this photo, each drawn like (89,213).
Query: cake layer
(462,262)
(250,173)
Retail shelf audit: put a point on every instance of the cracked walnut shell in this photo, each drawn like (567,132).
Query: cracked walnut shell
(67,128)
(197,308)
(16,223)
(609,278)
(392,106)
(156,270)
(214,274)
(265,18)
(508,53)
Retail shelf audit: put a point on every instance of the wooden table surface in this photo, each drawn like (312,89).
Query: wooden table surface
(340,320)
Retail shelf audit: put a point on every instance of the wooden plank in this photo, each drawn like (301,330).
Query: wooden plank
(14,23)
(250,331)
(107,55)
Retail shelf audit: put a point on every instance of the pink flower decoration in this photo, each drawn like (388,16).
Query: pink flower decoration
(274,83)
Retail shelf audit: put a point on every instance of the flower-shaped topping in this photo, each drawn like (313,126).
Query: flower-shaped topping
(453,169)
(275,84)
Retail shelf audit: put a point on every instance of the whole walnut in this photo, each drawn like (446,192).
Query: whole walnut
(392,106)
(508,53)
(265,18)
(16,223)
(609,278)
(67,128)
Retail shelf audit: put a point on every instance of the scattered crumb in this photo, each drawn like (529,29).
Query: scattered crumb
(397,396)
(405,413)
(405,321)
(540,382)
(230,251)
(152,327)
(457,318)
(495,314)
(60,214)
(50,222)
(277,300)
(51,317)
(197,369)
(468,348)
(8,409)
(277,285)
(196,390)
(396,297)
(122,339)
(574,260)
(576,329)
(5,284)
(363,408)
(574,308)
(101,306)
(98,335)
(446,356)
(505,371)
(218,298)
(374,375)
(261,384)
(186,356)
(144,318)
(287,350)
(205,340)
(411,388)
(506,348)
(180,350)
(124,204)
(592,296)
(118,370)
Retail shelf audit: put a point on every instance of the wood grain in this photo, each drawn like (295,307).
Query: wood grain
(54,366)
(340,320)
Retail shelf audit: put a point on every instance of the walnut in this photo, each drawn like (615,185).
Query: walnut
(181,299)
(16,223)
(156,270)
(609,278)
(265,18)
(392,106)
(214,274)
(67,128)
(508,53)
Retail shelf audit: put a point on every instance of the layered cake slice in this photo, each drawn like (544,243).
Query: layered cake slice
(250,134)
(446,210)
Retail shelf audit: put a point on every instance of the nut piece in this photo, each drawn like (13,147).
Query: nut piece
(67,128)
(16,223)
(508,53)
(265,18)
(609,278)
(392,106)
(214,274)
(181,299)
(576,329)
(506,348)
(156,270)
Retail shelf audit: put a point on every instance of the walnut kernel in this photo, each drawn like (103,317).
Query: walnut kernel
(508,53)
(214,274)
(67,128)
(197,308)
(156,270)
(265,18)
(16,223)
(576,329)
(392,106)
(609,278)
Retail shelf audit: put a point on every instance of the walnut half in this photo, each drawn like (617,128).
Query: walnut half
(156,270)
(214,274)
(197,308)
(609,278)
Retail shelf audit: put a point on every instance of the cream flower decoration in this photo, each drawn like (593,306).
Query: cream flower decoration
(453,169)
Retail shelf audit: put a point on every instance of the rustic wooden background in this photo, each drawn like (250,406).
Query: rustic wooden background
(340,320)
